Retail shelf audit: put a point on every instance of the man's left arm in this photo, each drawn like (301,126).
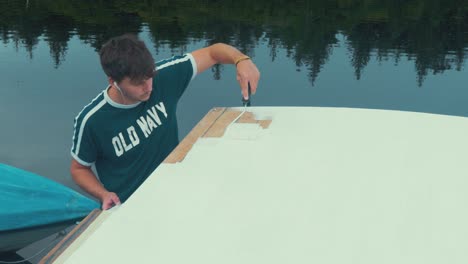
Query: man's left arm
(221,53)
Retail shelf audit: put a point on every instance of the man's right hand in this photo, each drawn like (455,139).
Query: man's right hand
(85,178)
(109,200)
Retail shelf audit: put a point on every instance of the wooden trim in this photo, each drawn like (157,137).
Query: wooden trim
(70,238)
(218,128)
(179,153)
(214,124)
(264,123)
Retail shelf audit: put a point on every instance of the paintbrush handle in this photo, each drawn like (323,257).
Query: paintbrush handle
(244,101)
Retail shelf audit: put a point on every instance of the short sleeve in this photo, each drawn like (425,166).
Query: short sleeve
(177,71)
(84,149)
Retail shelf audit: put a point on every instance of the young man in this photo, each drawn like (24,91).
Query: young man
(131,126)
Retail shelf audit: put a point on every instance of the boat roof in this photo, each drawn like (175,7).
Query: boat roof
(298,185)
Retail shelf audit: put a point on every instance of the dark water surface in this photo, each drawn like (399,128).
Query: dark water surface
(400,55)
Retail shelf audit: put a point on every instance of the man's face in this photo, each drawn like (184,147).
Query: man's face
(136,91)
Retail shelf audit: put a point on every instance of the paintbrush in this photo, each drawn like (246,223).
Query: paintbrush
(246,102)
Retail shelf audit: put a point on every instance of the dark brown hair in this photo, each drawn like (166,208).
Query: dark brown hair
(127,56)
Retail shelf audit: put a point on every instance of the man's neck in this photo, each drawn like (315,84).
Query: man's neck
(117,97)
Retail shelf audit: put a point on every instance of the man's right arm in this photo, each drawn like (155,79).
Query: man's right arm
(84,177)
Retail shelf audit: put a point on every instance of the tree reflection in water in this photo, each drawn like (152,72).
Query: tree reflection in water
(429,32)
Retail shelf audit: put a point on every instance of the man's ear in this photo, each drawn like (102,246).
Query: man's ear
(110,80)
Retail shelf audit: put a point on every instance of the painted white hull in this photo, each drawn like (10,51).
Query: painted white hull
(318,185)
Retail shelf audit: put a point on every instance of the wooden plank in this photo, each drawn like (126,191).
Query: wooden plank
(218,128)
(179,153)
(264,123)
(248,117)
(214,124)
(70,238)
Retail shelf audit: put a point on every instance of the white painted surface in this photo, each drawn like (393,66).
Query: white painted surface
(320,185)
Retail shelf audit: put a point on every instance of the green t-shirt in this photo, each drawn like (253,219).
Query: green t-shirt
(127,142)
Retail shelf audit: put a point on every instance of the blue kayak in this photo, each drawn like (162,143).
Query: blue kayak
(29,202)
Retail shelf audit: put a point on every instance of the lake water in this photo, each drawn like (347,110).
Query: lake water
(407,56)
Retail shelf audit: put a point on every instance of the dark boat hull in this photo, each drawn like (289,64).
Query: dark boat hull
(13,240)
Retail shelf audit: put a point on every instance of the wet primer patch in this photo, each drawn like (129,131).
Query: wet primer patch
(215,124)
